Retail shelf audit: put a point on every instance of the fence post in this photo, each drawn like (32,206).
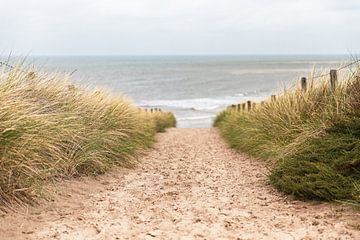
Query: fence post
(249,105)
(273,97)
(333,79)
(253,105)
(243,106)
(303,84)
(151,110)
(239,107)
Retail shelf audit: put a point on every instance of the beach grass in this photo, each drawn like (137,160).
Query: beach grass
(163,120)
(51,129)
(310,140)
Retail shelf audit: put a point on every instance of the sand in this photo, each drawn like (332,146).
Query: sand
(190,186)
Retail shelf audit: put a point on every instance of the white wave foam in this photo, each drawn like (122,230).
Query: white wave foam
(200,104)
(196,118)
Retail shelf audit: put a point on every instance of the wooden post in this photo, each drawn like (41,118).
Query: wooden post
(303,84)
(243,106)
(249,105)
(333,79)
(151,110)
(233,106)
(253,105)
(238,107)
(273,97)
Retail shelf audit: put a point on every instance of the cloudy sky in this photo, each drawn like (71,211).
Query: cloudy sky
(101,27)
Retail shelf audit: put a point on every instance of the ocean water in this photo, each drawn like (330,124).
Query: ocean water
(195,88)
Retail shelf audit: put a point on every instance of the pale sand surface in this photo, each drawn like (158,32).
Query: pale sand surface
(190,186)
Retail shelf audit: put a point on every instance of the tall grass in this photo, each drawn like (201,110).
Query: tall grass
(311,140)
(50,129)
(163,120)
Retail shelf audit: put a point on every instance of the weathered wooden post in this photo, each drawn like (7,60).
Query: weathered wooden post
(273,97)
(303,84)
(243,106)
(333,79)
(151,110)
(249,105)
(238,107)
(253,105)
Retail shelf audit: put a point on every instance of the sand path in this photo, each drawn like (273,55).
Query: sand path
(191,186)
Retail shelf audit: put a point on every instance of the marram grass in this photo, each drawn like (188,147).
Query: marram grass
(163,120)
(50,129)
(311,140)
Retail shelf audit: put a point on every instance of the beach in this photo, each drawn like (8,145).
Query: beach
(211,120)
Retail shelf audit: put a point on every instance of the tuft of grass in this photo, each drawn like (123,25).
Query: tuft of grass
(163,120)
(51,129)
(311,140)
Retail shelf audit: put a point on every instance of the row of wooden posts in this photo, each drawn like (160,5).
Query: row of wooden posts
(153,110)
(333,81)
(252,105)
(248,105)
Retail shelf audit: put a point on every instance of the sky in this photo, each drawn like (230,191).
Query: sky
(166,27)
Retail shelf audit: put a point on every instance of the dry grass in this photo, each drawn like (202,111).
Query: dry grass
(50,129)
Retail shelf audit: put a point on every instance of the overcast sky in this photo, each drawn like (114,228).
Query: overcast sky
(101,27)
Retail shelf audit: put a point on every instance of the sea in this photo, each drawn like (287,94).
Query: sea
(194,88)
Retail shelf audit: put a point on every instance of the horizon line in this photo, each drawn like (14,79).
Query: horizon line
(187,54)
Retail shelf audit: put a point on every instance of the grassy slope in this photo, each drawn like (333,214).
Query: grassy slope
(311,140)
(49,129)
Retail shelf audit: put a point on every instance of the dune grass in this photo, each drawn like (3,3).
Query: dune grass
(163,120)
(311,140)
(51,129)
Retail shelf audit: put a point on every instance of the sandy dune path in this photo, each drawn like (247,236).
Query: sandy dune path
(191,186)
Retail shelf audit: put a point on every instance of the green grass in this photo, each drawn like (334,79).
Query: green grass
(51,129)
(163,120)
(311,141)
